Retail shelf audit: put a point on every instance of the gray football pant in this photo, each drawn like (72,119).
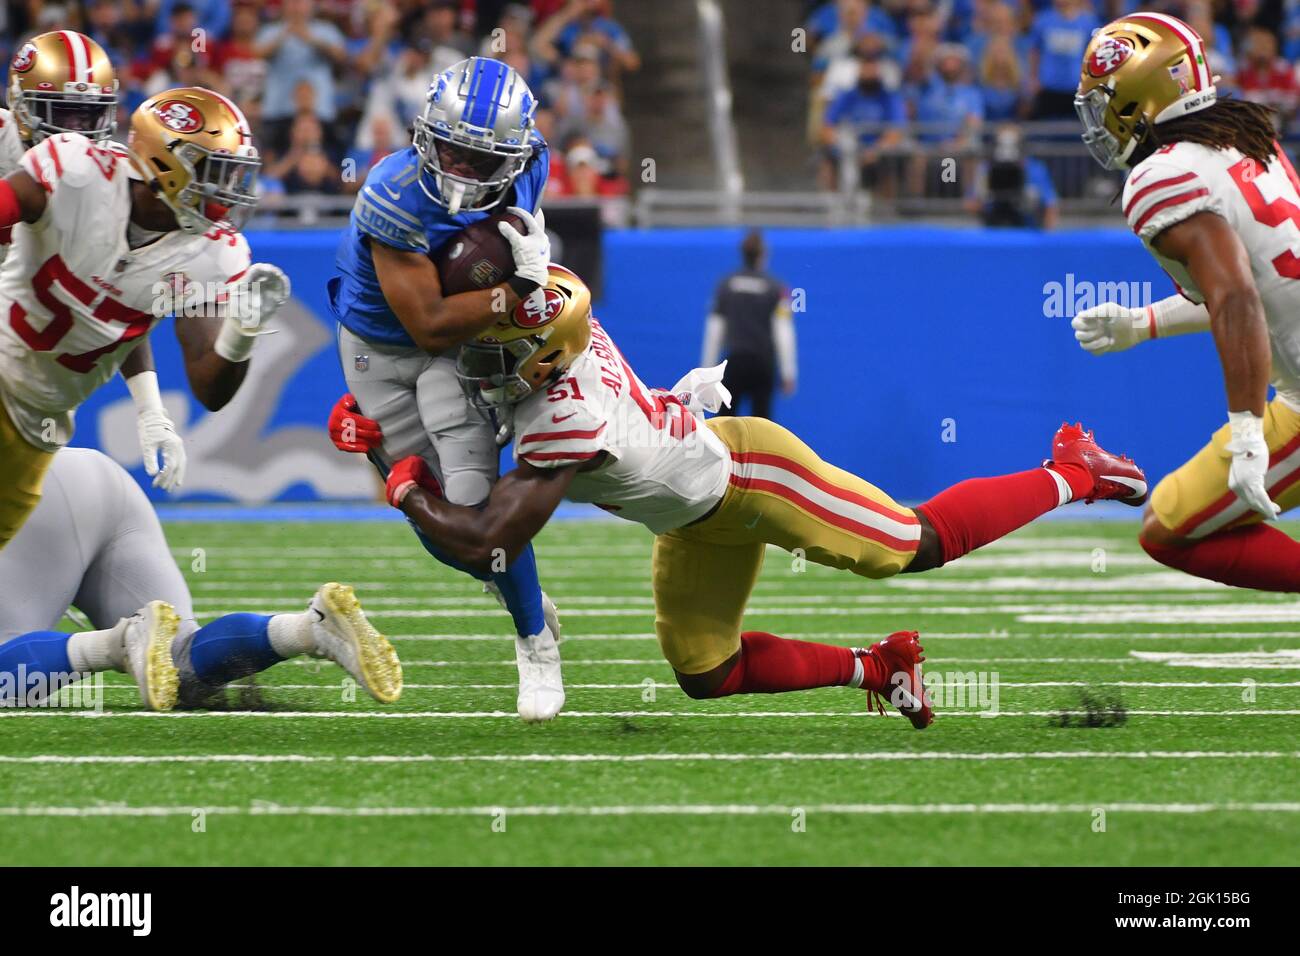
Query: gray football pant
(418,402)
(93,541)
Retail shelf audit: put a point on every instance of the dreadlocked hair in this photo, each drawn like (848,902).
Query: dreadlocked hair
(1228,123)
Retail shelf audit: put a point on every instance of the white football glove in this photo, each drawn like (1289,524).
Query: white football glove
(157,433)
(270,287)
(532,250)
(1250,463)
(1110,327)
(262,291)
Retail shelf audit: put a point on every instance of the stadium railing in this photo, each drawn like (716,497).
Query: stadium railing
(908,184)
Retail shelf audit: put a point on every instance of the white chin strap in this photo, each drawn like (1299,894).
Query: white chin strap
(454,196)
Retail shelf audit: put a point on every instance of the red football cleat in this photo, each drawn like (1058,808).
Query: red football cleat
(1115,477)
(900,653)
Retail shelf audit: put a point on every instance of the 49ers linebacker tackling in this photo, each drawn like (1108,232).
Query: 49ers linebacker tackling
(715,493)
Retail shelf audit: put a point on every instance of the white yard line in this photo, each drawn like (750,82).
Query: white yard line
(1091,613)
(622,714)
(1164,614)
(861,636)
(652,809)
(643,685)
(1245,664)
(597,603)
(870,756)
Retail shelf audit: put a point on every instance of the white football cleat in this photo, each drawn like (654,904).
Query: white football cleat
(147,641)
(550,615)
(541,685)
(344,636)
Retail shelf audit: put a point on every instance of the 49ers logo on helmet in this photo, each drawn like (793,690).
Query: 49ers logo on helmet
(25,58)
(179,116)
(538,308)
(1109,55)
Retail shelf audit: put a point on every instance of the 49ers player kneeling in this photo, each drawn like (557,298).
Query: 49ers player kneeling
(104,242)
(715,493)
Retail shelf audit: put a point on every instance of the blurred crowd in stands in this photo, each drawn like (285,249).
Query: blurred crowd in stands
(901,82)
(331,86)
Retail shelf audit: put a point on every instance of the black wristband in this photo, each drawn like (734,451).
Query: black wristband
(522,287)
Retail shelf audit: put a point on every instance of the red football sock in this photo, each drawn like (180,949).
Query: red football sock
(1257,556)
(769,665)
(972,513)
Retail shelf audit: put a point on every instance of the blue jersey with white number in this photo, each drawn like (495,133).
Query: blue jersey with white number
(393,209)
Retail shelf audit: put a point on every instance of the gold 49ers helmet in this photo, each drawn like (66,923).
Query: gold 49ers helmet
(62,82)
(531,346)
(195,151)
(1140,70)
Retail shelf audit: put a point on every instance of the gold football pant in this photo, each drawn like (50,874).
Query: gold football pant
(1194,501)
(779,493)
(22,471)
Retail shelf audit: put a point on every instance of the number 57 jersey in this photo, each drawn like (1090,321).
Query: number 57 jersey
(75,299)
(662,468)
(1261,203)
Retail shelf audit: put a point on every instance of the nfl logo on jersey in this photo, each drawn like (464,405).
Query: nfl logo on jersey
(361,363)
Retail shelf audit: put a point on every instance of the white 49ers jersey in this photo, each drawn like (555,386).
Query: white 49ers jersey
(1262,204)
(662,467)
(11,143)
(75,298)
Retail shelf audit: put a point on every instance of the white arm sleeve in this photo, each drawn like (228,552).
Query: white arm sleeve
(787,359)
(1179,316)
(714,328)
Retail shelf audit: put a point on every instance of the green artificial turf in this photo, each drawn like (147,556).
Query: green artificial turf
(637,773)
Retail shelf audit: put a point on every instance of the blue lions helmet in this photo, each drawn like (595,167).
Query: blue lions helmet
(474,136)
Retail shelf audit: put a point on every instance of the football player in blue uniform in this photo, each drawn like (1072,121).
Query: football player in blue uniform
(475,151)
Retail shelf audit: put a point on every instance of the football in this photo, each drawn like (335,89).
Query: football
(478,257)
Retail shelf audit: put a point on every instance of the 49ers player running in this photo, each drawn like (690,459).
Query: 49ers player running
(1217,203)
(104,242)
(63,82)
(715,494)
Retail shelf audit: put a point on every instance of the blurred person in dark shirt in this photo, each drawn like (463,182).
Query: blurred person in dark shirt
(874,116)
(1011,189)
(306,167)
(751,326)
